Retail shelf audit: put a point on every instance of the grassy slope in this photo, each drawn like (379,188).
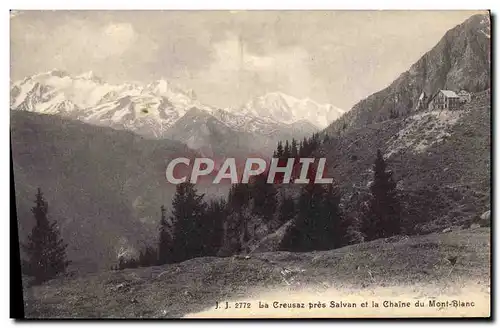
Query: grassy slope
(451,177)
(195,285)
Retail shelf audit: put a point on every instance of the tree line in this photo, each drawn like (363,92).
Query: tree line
(297,149)
(197,227)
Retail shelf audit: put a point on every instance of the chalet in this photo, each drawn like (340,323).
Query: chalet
(464,96)
(444,99)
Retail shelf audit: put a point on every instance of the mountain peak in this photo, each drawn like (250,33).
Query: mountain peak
(57,72)
(287,109)
(278,96)
(89,75)
(161,85)
(164,87)
(459,61)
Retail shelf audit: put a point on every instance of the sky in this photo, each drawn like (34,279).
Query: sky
(229,57)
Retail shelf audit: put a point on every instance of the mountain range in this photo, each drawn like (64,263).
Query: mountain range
(154,110)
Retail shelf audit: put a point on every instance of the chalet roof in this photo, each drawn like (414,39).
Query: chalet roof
(449,93)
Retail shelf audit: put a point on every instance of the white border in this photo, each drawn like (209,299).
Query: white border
(191,4)
(255,4)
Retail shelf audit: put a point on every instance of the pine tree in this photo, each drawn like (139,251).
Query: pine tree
(239,196)
(148,257)
(335,221)
(381,217)
(263,195)
(294,152)
(319,223)
(165,242)
(309,217)
(326,138)
(304,149)
(188,211)
(286,151)
(314,142)
(287,210)
(213,227)
(279,150)
(45,248)
(305,236)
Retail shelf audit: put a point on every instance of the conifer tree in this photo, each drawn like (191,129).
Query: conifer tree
(46,250)
(319,223)
(263,195)
(286,150)
(326,138)
(148,257)
(279,150)
(188,211)
(313,142)
(165,242)
(239,196)
(213,227)
(304,149)
(381,216)
(293,149)
(334,219)
(287,210)
(294,153)
(305,235)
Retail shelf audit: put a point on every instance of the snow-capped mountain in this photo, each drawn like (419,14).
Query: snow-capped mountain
(152,109)
(146,109)
(283,108)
